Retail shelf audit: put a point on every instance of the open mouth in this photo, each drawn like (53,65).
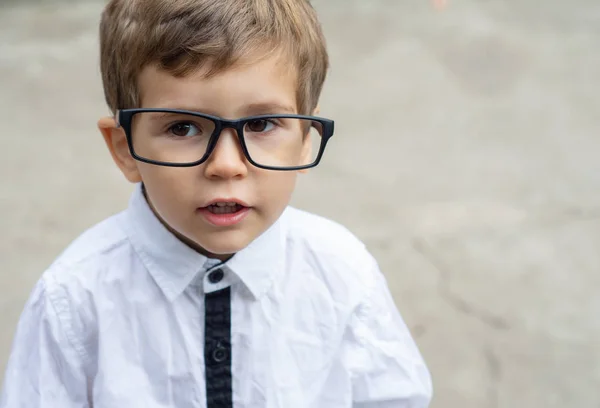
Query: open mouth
(225,208)
(224,213)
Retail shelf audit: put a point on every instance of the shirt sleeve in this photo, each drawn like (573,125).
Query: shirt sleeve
(45,368)
(386,367)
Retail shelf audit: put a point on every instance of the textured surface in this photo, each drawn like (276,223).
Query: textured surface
(466,156)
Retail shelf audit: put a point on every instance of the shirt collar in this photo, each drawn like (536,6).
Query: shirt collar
(174,265)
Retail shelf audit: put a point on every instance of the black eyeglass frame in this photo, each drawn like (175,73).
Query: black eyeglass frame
(124,120)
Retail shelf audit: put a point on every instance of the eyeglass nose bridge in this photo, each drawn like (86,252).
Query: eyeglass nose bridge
(221,125)
(229,124)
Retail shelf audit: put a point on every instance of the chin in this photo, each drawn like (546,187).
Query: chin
(224,245)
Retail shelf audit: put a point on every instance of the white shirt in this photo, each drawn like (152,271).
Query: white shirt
(305,320)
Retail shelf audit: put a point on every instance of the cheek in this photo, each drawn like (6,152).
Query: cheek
(168,187)
(276,190)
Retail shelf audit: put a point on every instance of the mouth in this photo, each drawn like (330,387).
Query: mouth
(225,208)
(224,213)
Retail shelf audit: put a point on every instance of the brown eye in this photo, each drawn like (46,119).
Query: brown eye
(184,129)
(259,125)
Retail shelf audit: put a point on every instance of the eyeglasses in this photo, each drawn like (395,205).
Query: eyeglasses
(180,138)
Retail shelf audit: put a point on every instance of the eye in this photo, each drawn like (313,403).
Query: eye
(184,129)
(260,125)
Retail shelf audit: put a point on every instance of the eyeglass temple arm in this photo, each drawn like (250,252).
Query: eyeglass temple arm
(117,115)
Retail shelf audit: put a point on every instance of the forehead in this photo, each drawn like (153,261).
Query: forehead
(266,84)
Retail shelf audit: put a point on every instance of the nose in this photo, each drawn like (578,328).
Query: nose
(227,160)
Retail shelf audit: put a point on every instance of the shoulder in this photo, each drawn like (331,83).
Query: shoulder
(99,239)
(87,257)
(329,247)
(322,235)
(65,292)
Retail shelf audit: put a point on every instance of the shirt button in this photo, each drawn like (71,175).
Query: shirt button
(219,355)
(216,276)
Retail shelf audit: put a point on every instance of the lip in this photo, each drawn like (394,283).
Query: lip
(227,200)
(225,220)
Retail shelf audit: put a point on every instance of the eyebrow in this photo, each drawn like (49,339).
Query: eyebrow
(269,107)
(155,116)
(259,108)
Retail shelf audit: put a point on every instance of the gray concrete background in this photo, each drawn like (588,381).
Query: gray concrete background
(466,156)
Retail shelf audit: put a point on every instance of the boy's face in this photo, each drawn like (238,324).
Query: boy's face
(180,195)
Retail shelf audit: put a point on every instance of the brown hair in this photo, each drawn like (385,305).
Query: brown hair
(184,36)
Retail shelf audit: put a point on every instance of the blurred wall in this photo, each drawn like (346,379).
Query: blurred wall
(465,156)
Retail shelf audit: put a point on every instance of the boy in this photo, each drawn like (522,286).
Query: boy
(209,291)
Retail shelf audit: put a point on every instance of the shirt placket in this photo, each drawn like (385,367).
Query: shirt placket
(217,343)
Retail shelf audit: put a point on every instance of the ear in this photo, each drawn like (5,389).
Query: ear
(116,141)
